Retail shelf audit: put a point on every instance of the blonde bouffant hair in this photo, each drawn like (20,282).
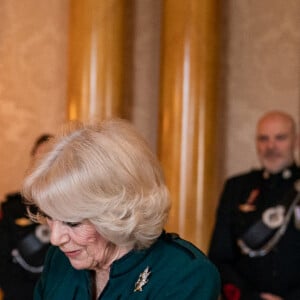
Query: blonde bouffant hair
(104,173)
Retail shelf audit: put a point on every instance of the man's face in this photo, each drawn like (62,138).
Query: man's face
(275,143)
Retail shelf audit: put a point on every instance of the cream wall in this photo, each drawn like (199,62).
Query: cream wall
(261,69)
(33,65)
(34,75)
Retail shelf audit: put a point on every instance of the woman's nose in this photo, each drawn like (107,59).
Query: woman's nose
(58,233)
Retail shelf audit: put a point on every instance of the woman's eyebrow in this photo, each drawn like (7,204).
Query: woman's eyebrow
(43,214)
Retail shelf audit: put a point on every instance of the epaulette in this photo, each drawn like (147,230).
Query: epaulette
(190,249)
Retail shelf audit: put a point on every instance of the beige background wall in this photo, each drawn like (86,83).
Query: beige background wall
(33,54)
(259,71)
(261,68)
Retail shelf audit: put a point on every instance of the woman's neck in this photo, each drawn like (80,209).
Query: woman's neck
(101,276)
(101,279)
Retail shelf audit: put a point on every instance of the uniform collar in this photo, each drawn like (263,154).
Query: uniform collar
(285,174)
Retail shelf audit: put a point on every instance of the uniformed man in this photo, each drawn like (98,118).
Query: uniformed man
(23,244)
(256,240)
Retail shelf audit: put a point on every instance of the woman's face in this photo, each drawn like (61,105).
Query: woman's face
(80,242)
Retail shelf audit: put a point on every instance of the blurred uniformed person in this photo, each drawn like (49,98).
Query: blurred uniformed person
(23,244)
(256,240)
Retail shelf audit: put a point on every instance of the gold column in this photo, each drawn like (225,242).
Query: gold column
(96,73)
(188,115)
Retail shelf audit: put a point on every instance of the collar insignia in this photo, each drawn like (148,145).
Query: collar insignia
(142,280)
(266,174)
(286,174)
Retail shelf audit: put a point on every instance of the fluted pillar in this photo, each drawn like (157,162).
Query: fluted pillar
(96,59)
(188,115)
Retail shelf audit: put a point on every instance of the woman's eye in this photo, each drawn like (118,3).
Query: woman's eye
(72,224)
(43,215)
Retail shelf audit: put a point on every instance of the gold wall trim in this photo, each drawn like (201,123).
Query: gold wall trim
(187,144)
(96,59)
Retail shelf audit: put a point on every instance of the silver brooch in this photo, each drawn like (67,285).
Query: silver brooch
(142,280)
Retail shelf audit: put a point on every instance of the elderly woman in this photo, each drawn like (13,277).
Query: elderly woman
(102,192)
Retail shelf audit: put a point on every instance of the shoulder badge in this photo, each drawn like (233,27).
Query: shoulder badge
(142,280)
(273,217)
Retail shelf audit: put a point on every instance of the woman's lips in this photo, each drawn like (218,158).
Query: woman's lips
(72,254)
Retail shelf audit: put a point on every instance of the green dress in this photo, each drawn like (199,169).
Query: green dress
(171,268)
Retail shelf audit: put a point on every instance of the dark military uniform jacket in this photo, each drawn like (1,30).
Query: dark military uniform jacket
(241,216)
(20,242)
(170,269)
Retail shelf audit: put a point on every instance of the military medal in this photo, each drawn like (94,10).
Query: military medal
(142,280)
(249,205)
